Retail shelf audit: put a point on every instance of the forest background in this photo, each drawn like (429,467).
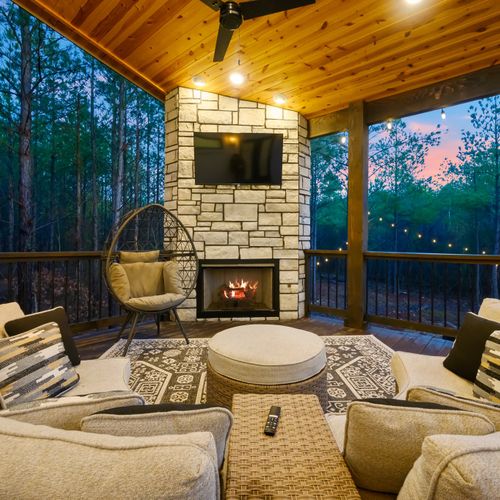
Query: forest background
(79,144)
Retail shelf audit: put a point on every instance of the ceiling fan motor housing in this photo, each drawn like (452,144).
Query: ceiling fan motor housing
(230,16)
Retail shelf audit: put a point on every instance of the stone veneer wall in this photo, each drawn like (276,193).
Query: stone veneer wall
(241,222)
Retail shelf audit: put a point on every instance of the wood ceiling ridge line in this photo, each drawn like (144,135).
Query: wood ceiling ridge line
(308,47)
(60,25)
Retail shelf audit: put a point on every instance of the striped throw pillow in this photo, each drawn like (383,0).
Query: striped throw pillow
(34,365)
(487,384)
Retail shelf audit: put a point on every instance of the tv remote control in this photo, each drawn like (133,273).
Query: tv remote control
(272,421)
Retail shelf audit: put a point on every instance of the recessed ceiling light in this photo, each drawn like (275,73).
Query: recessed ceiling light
(236,78)
(413,2)
(280,99)
(199,81)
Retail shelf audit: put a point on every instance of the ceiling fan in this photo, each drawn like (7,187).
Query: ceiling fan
(232,14)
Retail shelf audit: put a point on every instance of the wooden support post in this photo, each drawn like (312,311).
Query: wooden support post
(357,222)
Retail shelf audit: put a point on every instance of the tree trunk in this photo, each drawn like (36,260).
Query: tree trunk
(25,166)
(93,147)
(120,167)
(78,178)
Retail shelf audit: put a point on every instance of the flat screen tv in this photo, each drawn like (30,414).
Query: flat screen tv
(226,158)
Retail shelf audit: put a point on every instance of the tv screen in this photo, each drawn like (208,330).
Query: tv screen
(226,158)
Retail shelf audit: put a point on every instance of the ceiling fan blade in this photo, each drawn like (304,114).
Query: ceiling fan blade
(213,4)
(258,8)
(223,39)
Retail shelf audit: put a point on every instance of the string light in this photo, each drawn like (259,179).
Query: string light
(450,245)
(434,241)
(326,260)
(389,125)
(484,252)
(317,263)
(340,249)
(405,230)
(343,139)
(393,225)
(443,114)
(369,213)
(466,249)
(380,219)
(419,235)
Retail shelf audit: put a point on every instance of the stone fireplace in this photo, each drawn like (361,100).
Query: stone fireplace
(241,222)
(238,288)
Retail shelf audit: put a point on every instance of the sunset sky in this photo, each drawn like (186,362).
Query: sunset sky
(456,120)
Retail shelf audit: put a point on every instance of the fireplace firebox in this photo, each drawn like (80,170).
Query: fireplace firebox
(238,288)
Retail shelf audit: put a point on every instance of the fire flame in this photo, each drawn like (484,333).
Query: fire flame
(239,289)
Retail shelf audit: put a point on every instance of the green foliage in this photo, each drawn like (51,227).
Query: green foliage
(73,147)
(460,206)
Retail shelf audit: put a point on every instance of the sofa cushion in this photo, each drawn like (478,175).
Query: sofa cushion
(439,396)
(101,375)
(8,312)
(465,355)
(57,315)
(130,257)
(487,383)
(154,420)
(411,369)
(34,365)
(490,309)
(67,412)
(455,467)
(384,438)
(44,462)
(118,281)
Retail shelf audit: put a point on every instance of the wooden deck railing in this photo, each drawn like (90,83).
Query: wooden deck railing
(428,292)
(74,280)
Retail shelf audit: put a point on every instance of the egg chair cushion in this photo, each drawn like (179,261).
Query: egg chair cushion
(119,282)
(171,278)
(155,302)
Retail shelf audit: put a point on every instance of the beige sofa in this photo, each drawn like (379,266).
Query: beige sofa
(96,375)
(415,372)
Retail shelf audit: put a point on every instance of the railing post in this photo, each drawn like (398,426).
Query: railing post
(357,222)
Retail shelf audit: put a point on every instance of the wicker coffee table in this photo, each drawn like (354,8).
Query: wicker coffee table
(300,461)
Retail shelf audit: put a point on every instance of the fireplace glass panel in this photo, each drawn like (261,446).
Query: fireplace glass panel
(243,288)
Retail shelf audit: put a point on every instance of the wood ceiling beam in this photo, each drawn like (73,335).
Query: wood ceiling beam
(66,29)
(477,85)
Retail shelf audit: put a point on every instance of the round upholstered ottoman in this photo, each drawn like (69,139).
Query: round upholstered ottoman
(265,359)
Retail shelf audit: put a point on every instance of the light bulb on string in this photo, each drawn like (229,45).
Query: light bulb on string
(419,235)
(484,252)
(434,241)
(343,139)
(466,249)
(405,230)
(389,125)
(450,245)
(380,219)
(443,114)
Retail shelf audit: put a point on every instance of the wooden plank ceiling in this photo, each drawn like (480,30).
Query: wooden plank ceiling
(321,57)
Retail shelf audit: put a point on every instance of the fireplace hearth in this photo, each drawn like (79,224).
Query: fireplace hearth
(238,288)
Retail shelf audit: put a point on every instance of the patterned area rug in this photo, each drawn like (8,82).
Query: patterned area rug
(168,370)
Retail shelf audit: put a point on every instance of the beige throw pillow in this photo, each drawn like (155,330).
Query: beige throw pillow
(455,468)
(171,279)
(384,438)
(439,396)
(119,281)
(217,421)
